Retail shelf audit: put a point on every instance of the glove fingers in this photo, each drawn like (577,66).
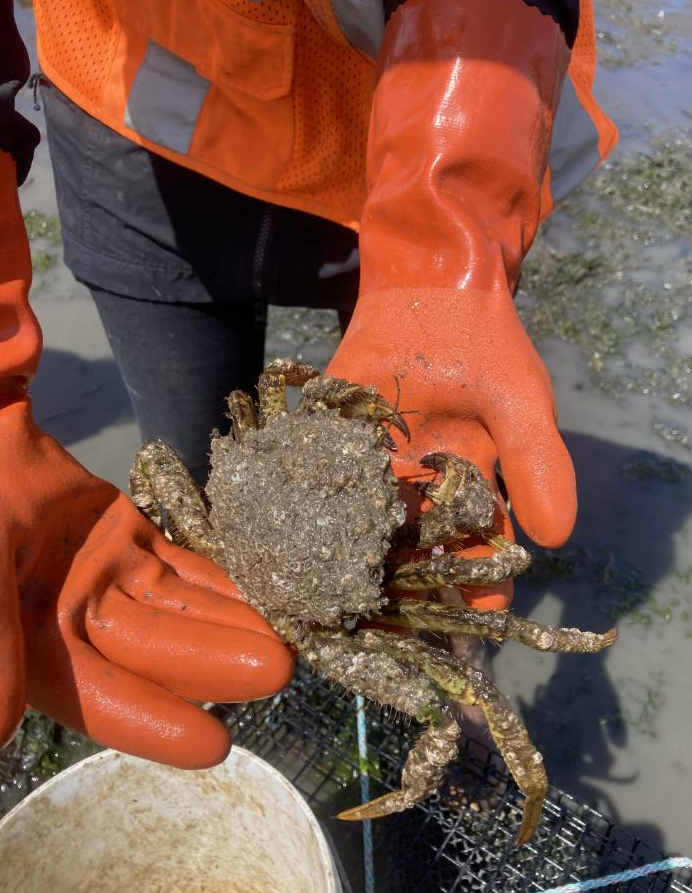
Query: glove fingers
(163,587)
(196,659)
(538,471)
(123,711)
(194,568)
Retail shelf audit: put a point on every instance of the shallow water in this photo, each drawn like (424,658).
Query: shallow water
(607,293)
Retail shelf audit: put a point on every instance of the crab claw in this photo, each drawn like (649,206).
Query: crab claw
(353,401)
(388,442)
(397,420)
(438,461)
(378,409)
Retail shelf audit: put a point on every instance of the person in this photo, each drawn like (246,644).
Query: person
(211,158)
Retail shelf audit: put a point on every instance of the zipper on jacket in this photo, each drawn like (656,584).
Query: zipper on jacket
(259,263)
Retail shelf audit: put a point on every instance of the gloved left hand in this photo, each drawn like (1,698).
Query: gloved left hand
(105,625)
(117,631)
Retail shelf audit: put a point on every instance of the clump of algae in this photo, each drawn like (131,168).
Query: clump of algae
(626,37)
(40,749)
(654,189)
(45,237)
(43,226)
(622,295)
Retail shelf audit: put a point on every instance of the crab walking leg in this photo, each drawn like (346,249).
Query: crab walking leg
(159,479)
(453,471)
(241,412)
(272,395)
(353,401)
(360,664)
(452,570)
(463,501)
(422,773)
(496,625)
(273,381)
(468,686)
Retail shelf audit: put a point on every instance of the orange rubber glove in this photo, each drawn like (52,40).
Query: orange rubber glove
(458,143)
(104,624)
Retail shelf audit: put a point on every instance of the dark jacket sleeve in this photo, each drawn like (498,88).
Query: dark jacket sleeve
(18,136)
(564,12)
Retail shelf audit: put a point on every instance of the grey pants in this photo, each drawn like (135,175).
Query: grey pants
(182,270)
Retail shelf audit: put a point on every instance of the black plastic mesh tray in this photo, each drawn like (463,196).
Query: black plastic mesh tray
(460,840)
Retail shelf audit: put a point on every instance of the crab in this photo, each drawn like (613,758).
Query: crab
(303,512)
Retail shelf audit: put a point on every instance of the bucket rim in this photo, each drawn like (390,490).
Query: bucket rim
(109,756)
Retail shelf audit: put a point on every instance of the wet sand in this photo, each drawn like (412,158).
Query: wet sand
(607,293)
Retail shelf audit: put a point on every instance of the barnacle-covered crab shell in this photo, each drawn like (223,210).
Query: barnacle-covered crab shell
(305,508)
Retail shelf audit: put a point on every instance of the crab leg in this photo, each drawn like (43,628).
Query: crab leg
(452,570)
(496,625)
(352,400)
(359,663)
(295,373)
(272,384)
(159,479)
(469,687)
(363,666)
(241,412)
(421,776)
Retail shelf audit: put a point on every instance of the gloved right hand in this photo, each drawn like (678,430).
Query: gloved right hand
(104,624)
(458,144)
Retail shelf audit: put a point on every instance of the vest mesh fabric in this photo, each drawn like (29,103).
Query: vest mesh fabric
(331,92)
(79,39)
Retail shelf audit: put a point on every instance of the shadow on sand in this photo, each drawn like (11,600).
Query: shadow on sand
(631,504)
(75,398)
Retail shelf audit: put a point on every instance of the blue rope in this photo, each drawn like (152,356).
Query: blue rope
(368,863)
(629,875)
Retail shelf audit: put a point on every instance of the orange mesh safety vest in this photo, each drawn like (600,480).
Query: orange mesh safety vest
(271,98)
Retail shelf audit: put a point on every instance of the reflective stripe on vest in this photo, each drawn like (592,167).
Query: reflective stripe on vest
(574,146)
(167,95)
(362,23)
(165,99)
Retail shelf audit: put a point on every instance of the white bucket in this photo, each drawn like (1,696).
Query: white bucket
(114,823)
